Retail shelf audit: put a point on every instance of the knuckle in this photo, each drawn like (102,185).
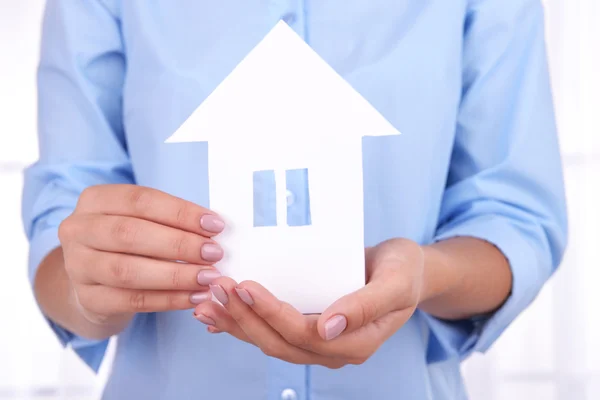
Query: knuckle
(67,230)
(368,311)
(87,302)
(137,301)
(273,349)
(183,213)
(122,272)
(300,337)
(124,231)
(176,278)
(77,263)
(172,302)
(180,245)
(140,199)
(88,195)
(84,300)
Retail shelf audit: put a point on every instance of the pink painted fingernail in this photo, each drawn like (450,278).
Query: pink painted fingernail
(206,276)
(335,326)
(245,296)
(212,223)
(200,297)
(211,252)
(204,319)
(219,293)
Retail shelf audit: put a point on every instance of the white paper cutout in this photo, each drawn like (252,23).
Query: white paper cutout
(283,107)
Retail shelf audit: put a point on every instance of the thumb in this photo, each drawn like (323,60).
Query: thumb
(394,271)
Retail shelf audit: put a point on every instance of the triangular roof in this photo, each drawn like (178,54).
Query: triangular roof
(282,83)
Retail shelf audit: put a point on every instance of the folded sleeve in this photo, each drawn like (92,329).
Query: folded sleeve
(505,183)
(80,132)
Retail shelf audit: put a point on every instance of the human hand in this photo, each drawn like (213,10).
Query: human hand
(121,246)
(348,332)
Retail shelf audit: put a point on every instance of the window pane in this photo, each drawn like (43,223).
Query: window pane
(298,197)
(265,212)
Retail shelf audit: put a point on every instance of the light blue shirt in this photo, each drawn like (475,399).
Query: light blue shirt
(465,81)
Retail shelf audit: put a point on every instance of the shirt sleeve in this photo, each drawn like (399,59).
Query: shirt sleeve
(505,183)
(80,131)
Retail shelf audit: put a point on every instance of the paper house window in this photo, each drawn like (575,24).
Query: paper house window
(298,197)
(264,203)
(266,198)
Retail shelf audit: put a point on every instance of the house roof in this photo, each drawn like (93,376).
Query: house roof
(283,90)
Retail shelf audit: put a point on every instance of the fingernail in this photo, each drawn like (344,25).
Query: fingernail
(204,319)
(211,252)
(245,296)
(212,223)
(205,277)
(219,293)
(200,297)
(335,326)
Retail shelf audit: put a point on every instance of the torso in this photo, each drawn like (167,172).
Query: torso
(405,58)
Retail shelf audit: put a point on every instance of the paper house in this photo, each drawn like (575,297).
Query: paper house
(284,108)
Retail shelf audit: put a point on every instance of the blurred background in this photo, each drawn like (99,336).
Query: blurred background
(552,352)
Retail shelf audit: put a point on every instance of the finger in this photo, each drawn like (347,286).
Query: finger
(301,331)
(106,300)
(359,345)
(296,328)
(136,272)
(390,288)
(216,317)
(145,238)
(257,329)
(152,205)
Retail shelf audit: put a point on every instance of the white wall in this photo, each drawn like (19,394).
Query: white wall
(550,353)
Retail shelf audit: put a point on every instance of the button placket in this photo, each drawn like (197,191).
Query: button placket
(287,381)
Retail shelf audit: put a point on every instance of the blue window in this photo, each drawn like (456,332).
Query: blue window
(297,199)
(265,213)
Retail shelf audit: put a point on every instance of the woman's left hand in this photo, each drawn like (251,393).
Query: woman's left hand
(348,332)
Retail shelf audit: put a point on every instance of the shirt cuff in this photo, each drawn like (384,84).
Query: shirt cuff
(90,351)
(458,339)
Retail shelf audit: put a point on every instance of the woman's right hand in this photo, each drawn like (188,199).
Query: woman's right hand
(130,249)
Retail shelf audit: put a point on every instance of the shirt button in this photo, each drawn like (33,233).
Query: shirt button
(290,198)
(289,394)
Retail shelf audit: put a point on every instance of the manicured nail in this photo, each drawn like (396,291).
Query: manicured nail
(200,297)
(335,326)
(212,223)
(211,252)
(245,296)
(219,293)
(204,319)
(206,276)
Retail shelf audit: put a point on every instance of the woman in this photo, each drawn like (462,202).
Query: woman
(464,212)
